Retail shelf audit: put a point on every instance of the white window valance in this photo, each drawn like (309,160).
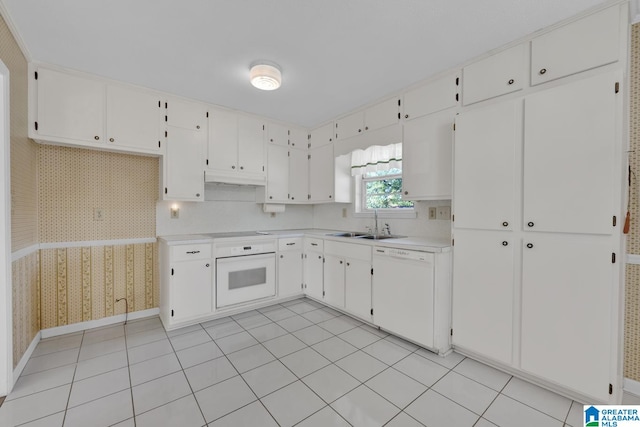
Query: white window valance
(376,158)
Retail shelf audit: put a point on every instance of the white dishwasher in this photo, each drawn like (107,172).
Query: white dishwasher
(406,300)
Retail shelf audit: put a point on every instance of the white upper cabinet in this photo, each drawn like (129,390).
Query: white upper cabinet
(183,170)
(496,75)
(321,174)
(70,108)
(487,149)
(298,138)
(321,136)
(581,45)
(437,95)
(89,112)
(298,175)
(375,117)
(237,150)
(426,157)
(134,118)
(277,134)
(569,156)
(277,187)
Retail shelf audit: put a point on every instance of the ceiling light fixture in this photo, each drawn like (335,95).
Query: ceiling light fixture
(265,76)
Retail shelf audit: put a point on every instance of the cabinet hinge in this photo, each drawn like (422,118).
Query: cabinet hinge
(171,313)
(457,96)
(262,127)
(323,260)
(617,87)
(207,162)
(301,285)
(451,332)
(289,132)
(453,242)
(301,256)
(207,114)
(159,146)
(610,388)
(166,119)
(308,136)
(166,134)
(36,125)
(454,126)
(263,169)
(613,257)
(453,218)
(308,196)
(398,102)
(457,81)
(372,271)
(172,271)
(36,73)
(309,145)
(398,116)
(372,311)
(165,190)
(159,104)
(614,220)
(309,156)
(288,153)
(166,105)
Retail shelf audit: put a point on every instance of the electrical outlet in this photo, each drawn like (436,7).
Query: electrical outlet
(273,214)
(98,214)
(444,212)
(433,212)
(175,212)
(344,212)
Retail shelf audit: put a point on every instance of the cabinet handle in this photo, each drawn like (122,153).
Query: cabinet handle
(359,130)
(406,193)
(281,256)
(314,244)
(206,265)
(511,81)
(271,140)
(111,139)
(406,116)
(340,262)
(197,194)
(330,196)
(542,71)
(505,243)
(97,138)
(505,224)
(530,245)
(319,256)
(366,128)
(291,244)
(271,197)
(348,264)
(293,198)
(193,252)
(330,139)
(530,224)
(198,127)
(241,167)
(233,167)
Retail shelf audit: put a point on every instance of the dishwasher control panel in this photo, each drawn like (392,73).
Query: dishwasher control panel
(402,253)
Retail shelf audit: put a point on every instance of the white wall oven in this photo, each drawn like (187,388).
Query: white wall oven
(245,271)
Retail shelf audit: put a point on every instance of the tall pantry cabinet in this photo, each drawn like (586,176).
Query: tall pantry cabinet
(537,214)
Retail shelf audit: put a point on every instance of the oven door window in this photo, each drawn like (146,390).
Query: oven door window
(245,278)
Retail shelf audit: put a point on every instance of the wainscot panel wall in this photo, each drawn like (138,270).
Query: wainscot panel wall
(26,303)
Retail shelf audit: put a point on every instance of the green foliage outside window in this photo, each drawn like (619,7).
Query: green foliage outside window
(383,190)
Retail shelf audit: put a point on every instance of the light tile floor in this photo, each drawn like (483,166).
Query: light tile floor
(296,363)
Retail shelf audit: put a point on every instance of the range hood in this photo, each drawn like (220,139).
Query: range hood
(235,178)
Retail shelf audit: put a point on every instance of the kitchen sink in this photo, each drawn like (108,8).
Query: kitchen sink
(379,236)
(348,234)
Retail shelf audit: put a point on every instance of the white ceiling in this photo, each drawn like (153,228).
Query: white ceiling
(335,55)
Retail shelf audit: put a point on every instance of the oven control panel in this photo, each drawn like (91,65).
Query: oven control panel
(244,248)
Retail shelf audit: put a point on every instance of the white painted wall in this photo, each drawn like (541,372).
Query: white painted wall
(228,208)
(330,216)
(6,327)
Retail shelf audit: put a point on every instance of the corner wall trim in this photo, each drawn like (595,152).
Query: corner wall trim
(631,386)
(25,358)
(106,321)
(85,243)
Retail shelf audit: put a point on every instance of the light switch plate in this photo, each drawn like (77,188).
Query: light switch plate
(444,212)
(98,214)
(433,212)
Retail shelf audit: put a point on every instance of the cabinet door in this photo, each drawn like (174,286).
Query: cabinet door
(187,115)
(357,288)
(70,107)
(496,75)
(588,43)
(223,140)
(184,167)
(435,96)
(487,143)
(567,310)
(321,174)
(334,280)
(191,289)
(298,175)
(313,274)
(483,286)
(134,119)
(277,134)
(426,157)
(350,126)
(251,145)
(289,273)
(569,157)
(322,136)
(298,138)
(277,173)
(382,115)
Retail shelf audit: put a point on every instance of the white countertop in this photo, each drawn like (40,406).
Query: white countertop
(426,244)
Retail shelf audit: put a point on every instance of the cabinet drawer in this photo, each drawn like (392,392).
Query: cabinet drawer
(290,244)
(313,245)
(348,250)
(190,252)
(496,75)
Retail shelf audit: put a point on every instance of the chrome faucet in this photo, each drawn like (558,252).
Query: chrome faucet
(375,216)
(386,229)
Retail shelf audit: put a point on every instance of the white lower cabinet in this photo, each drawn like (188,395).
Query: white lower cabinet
(483,292)
(290,267)
(186,282)
(313,267)
(347,277)
(567,311)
